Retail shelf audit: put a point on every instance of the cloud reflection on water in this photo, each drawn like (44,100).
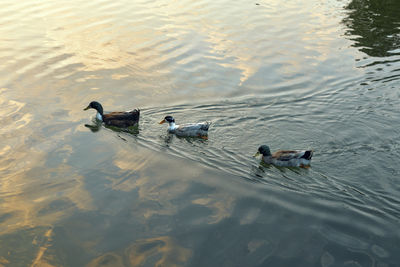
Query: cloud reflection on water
(157,251)
(71,195)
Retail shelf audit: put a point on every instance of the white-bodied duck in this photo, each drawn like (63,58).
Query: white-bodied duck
(189,130)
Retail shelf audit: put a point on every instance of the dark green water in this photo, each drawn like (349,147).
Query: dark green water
(293,75)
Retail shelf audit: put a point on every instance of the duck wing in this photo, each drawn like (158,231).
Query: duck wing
(122,119)
(193,127)
(123,115)
(286,155)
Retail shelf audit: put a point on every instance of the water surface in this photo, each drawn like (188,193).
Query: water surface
(293,75)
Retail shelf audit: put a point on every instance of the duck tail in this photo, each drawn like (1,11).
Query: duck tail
(138,114)
(206,125)
(135,113)
(307,155)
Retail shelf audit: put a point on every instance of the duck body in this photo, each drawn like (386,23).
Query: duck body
(122,119)
(187,130)
(286,158)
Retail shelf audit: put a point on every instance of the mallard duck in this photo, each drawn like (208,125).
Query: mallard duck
(285,158)
(190,129)
(121,119)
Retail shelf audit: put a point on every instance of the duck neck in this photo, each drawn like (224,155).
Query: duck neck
(172,126)
(99,108)
(99,116)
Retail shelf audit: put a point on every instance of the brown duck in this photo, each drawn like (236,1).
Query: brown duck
(122,119)
(285,158)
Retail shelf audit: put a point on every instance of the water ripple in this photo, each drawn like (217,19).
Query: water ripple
(321,84)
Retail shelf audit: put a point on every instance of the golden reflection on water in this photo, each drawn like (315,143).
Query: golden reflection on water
(32,203)
(97,41)
(59,58)
(26,194)
(39,261)
(163,247)
(157,251)
(30,207)
(220,204)
(93,53)
(165,189)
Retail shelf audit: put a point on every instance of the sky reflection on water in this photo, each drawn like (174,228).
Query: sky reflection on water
(290,75)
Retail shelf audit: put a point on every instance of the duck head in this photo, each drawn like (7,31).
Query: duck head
(263,150)
(95,105)
(171,122)
(168,119)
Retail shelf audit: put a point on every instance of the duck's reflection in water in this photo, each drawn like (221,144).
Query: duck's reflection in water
(97,126)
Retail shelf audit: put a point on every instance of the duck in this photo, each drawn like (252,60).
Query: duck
(285,158)
(120,119)
(199,129)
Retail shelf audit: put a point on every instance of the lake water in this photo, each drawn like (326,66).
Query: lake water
(320,75)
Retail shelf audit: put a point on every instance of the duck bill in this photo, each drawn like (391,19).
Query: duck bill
(161,122)
(257,154)
(87,108)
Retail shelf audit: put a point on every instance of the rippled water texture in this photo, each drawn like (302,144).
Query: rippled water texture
(320,75)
